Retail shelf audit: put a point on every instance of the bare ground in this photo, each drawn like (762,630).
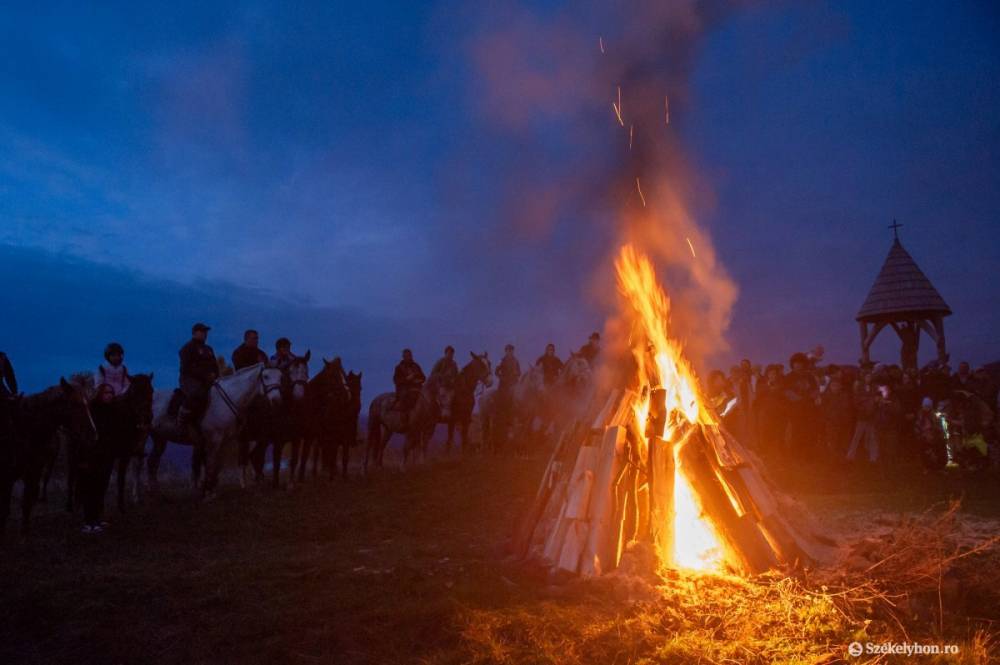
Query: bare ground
(411,568)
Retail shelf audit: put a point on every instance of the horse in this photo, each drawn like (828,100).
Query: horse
(28,435)
(462,397)
(531,400)
(228,400)
(85,383)
(384,420)
(348,433)
(135,409)
(329,409)
(286,421)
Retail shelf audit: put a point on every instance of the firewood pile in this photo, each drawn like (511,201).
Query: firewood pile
(608,484)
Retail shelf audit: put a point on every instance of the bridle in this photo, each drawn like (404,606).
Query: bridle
(266,389)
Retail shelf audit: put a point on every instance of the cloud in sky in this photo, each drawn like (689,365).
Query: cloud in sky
(340,157)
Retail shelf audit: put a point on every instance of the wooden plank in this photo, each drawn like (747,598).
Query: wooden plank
(661,497)
(746,547)
(573,547)
(599,554)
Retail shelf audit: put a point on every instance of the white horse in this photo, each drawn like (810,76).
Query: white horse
(551,407)
(228,401)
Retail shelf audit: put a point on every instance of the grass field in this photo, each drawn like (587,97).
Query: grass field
(400,568)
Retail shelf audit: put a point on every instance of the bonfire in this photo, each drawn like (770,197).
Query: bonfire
(655,467)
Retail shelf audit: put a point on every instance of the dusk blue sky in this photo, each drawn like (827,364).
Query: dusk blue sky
(335,172)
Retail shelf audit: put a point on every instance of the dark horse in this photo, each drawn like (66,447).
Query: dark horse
(134,411)
(28,429)
(330,405)
(463,401)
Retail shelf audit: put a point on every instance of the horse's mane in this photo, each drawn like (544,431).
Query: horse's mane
(44,398)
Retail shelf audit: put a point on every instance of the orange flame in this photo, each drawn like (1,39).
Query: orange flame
(661,364)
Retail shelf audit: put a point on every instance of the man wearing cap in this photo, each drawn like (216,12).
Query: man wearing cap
(198,371)
(590,350)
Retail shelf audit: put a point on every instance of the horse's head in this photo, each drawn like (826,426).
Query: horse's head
(140,397)
(74,410)
(482,367)
(334,379)
(354,385)
(271,379)
(298,376)
(575,373)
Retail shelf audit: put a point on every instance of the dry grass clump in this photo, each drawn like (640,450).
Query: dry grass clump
(926,579)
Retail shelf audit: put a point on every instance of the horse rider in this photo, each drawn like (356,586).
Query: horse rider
(112,372)
(551,365)
(249,352)
(591,349)
(199,371)
(445,370)
(408,378)
(283,356)
(508,371)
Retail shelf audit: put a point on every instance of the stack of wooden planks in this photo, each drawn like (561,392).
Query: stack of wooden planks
(608,484)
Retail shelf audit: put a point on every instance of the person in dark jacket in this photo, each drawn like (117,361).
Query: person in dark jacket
(8,382)
(551,365)
(408,378)
(198,372)
(249,352)
(445,370)
(96,458)
(591,349)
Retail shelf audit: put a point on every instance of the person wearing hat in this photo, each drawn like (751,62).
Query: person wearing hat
(112,372)
(445,370)
(198,371)
(408,378)
(591,349)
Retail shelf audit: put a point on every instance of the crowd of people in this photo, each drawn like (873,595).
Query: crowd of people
(822,414)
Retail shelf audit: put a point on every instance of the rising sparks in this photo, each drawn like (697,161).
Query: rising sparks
(692,248)
(600,42)
(638,188)
(666,109)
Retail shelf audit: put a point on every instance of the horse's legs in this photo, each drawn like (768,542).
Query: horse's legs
(6,490)
(153,463)
(346,456)
(136,478)
(32,479)
(122,468)
(276,450)
(197,461)
(451,435)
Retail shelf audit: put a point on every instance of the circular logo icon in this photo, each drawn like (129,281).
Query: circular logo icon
(855,648)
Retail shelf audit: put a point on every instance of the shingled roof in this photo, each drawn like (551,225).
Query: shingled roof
(901,288)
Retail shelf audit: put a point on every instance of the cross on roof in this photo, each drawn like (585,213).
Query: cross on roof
(895,228)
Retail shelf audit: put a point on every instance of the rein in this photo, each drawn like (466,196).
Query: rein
(267,389)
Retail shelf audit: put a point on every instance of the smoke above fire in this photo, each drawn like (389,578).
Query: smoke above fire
(595,98)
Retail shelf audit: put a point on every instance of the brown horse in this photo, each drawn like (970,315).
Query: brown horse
(462,398)
(28,436)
